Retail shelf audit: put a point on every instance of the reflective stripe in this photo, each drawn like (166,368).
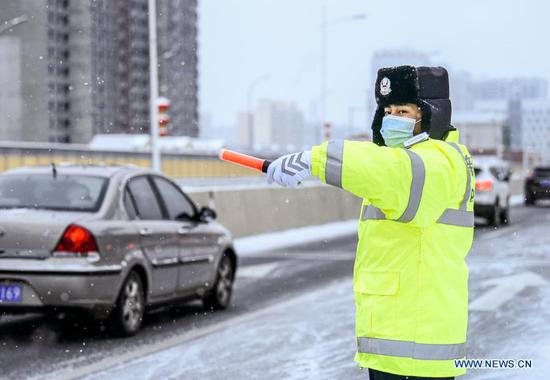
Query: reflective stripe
(459,218)
(468,178)
(409,349)
(372,213)
(333,166)
(364,212)
(417,185)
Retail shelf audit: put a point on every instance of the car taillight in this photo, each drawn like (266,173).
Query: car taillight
(486,185)
(77,239)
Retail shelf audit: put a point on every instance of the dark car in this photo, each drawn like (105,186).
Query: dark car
(537,185)
(112,241)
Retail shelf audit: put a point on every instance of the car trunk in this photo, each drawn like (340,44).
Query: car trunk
(32,233)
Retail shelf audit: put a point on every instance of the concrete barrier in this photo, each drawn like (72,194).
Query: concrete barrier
(262,209)
(257,209)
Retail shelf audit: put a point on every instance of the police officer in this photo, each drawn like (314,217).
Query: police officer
(415,228)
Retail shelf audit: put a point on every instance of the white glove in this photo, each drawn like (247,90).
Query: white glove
(290,170)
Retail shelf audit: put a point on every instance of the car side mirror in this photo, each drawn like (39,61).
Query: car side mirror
(185,216)
(206,214)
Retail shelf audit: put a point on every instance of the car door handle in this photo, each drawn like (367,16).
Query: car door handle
(145,232)
(183,230)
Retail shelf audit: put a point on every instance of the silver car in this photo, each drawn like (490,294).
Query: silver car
(493,191)
(112,241)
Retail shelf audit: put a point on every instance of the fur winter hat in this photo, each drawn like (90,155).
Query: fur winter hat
(427,87)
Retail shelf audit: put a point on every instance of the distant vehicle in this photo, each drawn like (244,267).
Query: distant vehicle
(537,185)
(111,241)
(492,200)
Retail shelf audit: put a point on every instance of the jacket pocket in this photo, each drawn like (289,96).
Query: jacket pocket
(376,297)
(377,283)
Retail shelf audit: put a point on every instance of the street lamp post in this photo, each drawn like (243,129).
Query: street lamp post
(153,87)
(324,67)
(324,25)
(249,100)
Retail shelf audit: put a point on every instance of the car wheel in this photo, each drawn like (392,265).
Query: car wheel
(494,218)
(128,313)
(529,199)
(219,296)
(505,214)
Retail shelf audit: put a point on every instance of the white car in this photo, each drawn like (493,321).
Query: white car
(492,199)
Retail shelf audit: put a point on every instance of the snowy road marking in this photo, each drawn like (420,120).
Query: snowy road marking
(257,271)
(505,288)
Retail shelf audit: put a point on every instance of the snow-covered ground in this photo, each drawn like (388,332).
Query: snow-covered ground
(510,299)
(282,239)
(312,335)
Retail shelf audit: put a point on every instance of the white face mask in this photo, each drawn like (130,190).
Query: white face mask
(396,130)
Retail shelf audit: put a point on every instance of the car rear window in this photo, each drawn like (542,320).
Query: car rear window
(542,173)
(62,192)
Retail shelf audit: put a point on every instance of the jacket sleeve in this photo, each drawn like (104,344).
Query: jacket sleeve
(382,175)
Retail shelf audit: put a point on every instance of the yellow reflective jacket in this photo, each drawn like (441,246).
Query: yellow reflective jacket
(415,230)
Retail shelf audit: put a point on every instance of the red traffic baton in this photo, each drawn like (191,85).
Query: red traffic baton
(244,160)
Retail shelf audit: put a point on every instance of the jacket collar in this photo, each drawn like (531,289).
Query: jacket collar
(453,136)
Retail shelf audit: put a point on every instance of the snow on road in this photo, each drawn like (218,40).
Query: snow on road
(305,338)
(312,335)
(516,256)
(252,245)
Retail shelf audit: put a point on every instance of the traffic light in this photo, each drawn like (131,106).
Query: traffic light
(164,119)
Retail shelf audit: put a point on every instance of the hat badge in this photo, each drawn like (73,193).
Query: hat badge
(385,86)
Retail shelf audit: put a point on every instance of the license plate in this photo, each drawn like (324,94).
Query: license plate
(11,293)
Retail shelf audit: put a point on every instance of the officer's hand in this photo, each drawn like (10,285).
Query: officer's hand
(290,170)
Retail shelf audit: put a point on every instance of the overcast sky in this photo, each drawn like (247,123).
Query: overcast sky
(241,40)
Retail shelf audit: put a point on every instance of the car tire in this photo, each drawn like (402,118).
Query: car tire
(219,297)
(127,316)
(494,217)
(505,213)
(529,199)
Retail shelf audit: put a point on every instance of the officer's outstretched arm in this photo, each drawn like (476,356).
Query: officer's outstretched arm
(380,174)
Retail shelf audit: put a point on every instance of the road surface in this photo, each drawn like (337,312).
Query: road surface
(293,317)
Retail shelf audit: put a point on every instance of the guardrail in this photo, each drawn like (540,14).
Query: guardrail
(176,165)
